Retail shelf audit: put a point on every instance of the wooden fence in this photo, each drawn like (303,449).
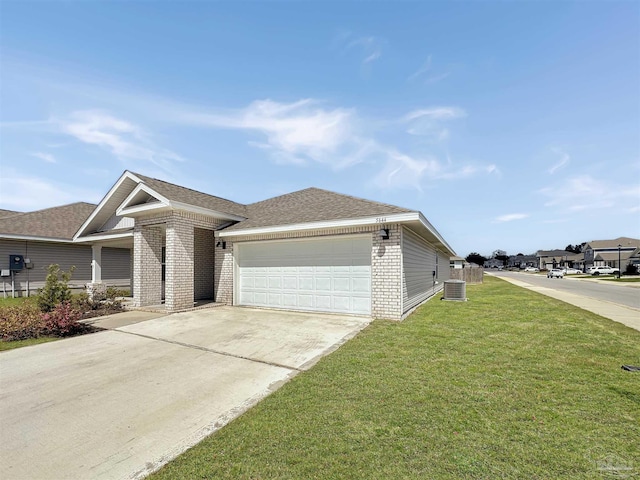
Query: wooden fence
(469,275)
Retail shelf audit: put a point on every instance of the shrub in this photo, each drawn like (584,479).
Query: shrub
(113,292)
(56,289)
(62,321)
(631,269)
(21,321)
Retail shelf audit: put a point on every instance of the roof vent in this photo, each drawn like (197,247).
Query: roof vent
(455,290)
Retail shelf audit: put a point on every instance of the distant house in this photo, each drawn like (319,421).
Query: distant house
(522,261)
(456,262)
(44,237)
(605,252)
(493,263)
(548,259)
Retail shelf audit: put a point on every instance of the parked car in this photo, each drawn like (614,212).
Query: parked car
(532,269)
(555,273)
(571,271)
(602,270)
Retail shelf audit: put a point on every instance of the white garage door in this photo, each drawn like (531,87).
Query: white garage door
(327,275)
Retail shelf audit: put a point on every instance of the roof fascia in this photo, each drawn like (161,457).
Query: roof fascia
(349,222)
(124,209)
(126,175)
(9,236)
(97,238)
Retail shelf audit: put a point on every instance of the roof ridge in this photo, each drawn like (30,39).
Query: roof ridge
(333,193)
(51,208)
(363,199)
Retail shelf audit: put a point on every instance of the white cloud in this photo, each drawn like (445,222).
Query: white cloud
(564,160)
(369,46)
(584,192)
(26,193)
(425,74)
(428,122)
(510,217)
(47,157)
(123,139)
(296,132)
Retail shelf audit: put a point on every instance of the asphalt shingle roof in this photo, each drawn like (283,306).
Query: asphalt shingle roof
(57,222)
(193,197)
(311,205)
(626,242)
(8,213)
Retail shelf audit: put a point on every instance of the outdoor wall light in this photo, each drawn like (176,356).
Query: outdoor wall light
(222,244)
(384,233)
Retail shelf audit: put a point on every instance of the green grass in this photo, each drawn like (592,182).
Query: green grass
(511,384)
(25,343)
(623,279)
(17,300)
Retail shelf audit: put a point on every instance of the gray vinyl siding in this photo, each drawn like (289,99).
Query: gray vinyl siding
(115,264)
(444,270)
(418,263)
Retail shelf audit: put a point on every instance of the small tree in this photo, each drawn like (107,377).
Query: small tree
(476,258)
(56,289)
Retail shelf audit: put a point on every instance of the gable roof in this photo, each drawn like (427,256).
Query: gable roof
(180,194)
(8,213)
(626,242)
(58,223)
(311,205)
(129,181)
(553,253)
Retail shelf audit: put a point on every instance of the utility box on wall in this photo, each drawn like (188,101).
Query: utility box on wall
(16,262)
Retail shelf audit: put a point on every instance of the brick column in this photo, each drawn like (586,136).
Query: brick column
(386,275)
(179,264)
(147,265)
(223,276)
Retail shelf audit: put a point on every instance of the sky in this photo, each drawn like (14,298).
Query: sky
(510,125)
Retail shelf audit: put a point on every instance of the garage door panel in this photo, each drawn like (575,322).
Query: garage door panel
(360,285)
(332,274)
(342,284)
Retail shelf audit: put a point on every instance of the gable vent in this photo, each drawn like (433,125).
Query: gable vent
(455,290)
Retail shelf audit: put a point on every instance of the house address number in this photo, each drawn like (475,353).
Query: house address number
(381,220)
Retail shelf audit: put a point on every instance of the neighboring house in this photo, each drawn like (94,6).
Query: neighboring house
(44,237)
(312,249)
(605,252)
(493,263)
(456,262)
(523,261)
(548,259)
(634,259)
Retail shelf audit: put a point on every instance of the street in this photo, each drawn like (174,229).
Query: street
(627,295)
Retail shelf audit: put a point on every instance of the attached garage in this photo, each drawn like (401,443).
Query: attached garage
(329,274)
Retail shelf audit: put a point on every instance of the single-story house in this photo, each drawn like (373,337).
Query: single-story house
(606,252)
(312,250)
(456,262)
(43,237)
(548,259)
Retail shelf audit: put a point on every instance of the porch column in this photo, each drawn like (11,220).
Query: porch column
(96,263)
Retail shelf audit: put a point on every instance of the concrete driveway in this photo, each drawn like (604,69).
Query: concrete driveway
(121,403)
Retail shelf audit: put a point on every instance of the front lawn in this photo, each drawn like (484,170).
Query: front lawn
(25,343)
(511,384)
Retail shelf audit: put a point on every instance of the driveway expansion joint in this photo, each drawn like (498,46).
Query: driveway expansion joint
(210,350)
